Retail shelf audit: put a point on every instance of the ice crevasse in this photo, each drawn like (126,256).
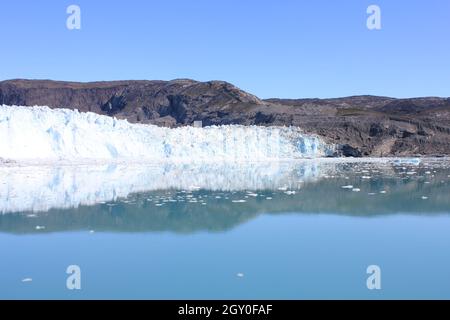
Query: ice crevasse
(28,133)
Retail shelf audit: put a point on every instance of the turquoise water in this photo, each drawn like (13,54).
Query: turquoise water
(255,231)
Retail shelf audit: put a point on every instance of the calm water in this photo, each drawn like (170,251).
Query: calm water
(277,231)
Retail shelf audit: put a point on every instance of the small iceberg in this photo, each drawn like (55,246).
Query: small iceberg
(407,161)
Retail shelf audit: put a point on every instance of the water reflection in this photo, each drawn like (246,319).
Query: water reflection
(213,197)
(43,188)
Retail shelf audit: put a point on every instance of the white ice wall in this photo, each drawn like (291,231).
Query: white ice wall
(42,133)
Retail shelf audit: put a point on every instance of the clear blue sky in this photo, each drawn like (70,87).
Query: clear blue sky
(277,48)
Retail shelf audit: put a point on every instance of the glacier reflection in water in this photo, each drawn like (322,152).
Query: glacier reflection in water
(190,198)
(42,188)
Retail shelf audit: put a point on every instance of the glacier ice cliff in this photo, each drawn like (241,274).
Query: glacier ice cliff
(41,133)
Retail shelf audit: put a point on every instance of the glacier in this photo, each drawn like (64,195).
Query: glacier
(40,133)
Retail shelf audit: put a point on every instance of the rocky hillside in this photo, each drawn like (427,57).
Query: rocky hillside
(362,125)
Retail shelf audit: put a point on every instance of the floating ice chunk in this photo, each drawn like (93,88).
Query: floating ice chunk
(239,201)
(27,280)
(347,187)
(356,190)
(412,161)
(424,198)
(290,193)
(40,227)
(240,275)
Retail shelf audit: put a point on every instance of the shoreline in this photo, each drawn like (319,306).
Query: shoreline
(6,163)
